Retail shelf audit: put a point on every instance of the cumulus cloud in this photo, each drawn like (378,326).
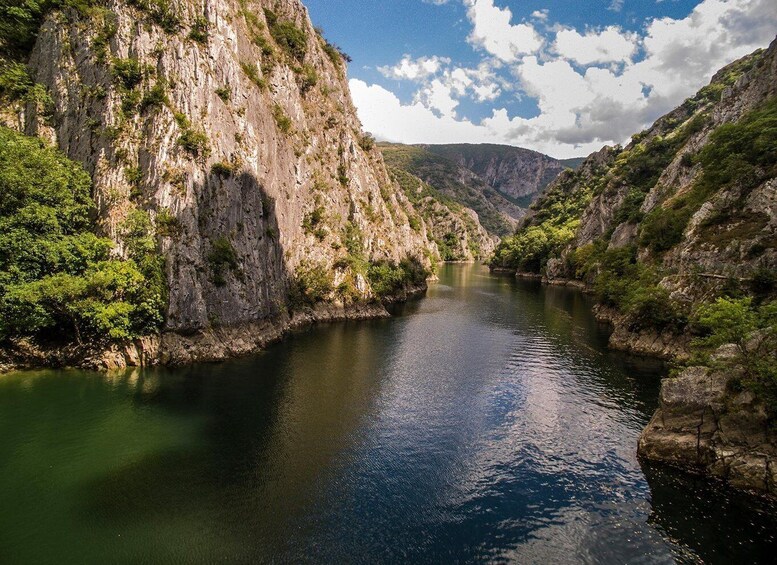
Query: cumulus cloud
(607,45)
(592,88)
(414,69)
(493,31)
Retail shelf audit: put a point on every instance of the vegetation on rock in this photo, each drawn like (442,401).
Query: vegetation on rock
(58,279)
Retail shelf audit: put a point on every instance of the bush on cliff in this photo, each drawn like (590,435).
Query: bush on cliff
(753,329)
(58,280)
(388,278)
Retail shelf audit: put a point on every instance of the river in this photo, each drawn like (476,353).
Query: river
(485,422)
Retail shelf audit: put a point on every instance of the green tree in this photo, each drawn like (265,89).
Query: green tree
(58,278)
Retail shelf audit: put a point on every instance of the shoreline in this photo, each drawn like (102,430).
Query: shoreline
(700,427)
(208,345)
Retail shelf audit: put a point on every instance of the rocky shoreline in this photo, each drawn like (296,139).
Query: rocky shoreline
(704,423)
(174,349)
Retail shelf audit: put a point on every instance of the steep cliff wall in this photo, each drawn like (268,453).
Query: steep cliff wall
(455,229)
(676,234)
(229,127)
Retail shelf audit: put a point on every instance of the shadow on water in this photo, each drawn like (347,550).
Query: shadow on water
(720,525)
(485,422)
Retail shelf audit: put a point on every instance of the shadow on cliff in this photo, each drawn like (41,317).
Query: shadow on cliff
(227,268)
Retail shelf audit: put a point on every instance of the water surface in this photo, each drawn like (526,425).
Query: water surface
(488,422)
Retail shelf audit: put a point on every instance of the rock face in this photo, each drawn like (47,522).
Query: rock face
(702,426)
(735,231)
(660,224)
(455,229)
(229,124)
(520,174)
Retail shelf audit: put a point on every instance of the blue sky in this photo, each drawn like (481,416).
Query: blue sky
(563,77)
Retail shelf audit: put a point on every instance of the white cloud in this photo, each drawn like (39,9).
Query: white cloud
(414,69)
(493,31)
(541,15)
(591,88)
(439,96)
(607,45)
(383,114)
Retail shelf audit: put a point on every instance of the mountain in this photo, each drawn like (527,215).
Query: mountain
(231,185)
(455,229)
(517,174)
(497,214)
(497,181)
(676,235)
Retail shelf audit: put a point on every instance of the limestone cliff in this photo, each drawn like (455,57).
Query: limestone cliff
(455,229)
(707,425)
(679,224)
(229,126)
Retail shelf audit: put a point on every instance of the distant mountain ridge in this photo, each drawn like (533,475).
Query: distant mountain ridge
(518,174)
(499,182)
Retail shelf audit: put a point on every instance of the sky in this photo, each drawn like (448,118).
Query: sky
(563,77)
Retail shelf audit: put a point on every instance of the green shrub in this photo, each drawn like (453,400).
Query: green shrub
(128,73)
(388,279)
(222,169)
(252,72)
(222,258)
(743,152)
(156,97)
(335,54)
(288,36)
(651,307)
(342,175)
(159,12)
(15,81)
(167,225)
(225,93)
(754,332)
(199,30)
(194,142)
(308,78)
(367,142)
(20,21)
(57,278)
(311,284)
(313,221)
(281,119)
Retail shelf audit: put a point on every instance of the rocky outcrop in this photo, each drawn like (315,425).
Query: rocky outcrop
(662,344)
(704,425)
(229,126)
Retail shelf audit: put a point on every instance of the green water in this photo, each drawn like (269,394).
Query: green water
(486,422)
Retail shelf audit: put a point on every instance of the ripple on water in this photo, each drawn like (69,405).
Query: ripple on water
(487,424)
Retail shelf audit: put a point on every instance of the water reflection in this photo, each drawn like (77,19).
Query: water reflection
(487,422)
